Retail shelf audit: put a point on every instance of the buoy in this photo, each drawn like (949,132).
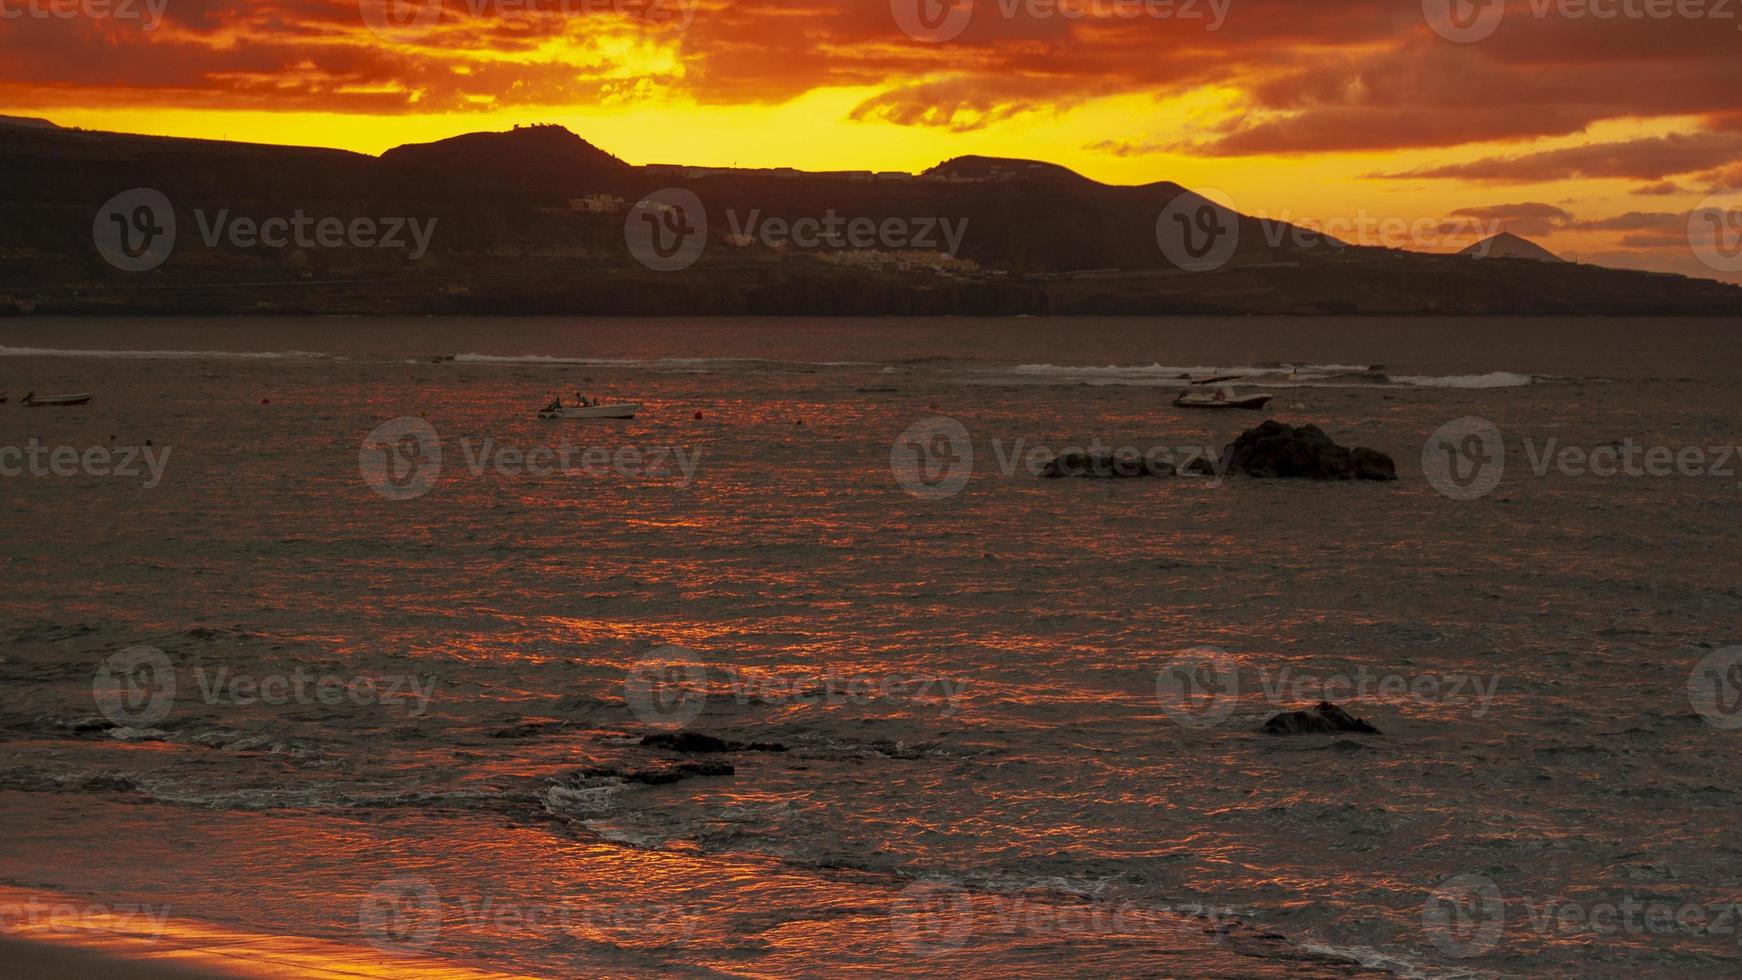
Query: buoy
(265,401)
(698,416)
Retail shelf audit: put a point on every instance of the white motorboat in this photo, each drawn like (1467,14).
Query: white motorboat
(1199,395)
(557,410)
(35,400)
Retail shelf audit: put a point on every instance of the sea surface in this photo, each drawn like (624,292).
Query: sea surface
(307,680)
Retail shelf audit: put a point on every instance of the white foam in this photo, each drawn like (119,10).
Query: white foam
(1493,379)
(603,361)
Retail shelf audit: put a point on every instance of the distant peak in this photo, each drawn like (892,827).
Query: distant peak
(1506,245)
(546,149)
(27,122)
(1001,168)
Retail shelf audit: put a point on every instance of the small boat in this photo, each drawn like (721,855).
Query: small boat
(625,410)
(1222,398)
(50,401)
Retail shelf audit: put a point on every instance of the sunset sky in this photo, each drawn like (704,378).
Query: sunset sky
(1594,135)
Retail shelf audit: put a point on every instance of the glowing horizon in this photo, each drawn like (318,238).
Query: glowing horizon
(1595,138)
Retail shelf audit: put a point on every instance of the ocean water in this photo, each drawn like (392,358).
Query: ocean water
(306,680)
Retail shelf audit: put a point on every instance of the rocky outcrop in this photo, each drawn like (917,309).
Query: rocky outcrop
(1276,450)
(696,742)
(1326,718)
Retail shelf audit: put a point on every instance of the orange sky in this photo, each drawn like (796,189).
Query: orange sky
(1417,123)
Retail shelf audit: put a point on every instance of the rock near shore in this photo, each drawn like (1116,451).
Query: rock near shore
(1325,718)
(1276,450)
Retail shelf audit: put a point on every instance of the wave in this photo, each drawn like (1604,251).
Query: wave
(604,361)
(164,355)
(1277,374)
(1493,379)
(641,362)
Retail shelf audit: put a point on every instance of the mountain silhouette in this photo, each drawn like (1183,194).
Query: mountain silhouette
(534,221)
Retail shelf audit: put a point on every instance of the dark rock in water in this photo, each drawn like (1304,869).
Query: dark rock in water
(1325,718)
(528,729)
(1370,465)
(1105,466)
(696,742)
(686,742)
(1275,450)
(649,777)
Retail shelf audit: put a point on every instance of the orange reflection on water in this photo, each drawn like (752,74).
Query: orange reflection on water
(132,934)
